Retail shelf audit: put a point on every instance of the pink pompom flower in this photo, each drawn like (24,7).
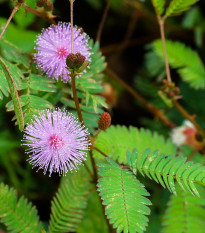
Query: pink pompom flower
(57,141)
(53,46)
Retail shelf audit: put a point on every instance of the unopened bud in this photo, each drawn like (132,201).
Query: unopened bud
(79,60)
(104,121)
(70,60)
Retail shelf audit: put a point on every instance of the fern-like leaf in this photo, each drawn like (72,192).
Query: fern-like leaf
(176,7)
(124,198)
(18,215)
(185,60)
(68,206)
(159,6)
(165,169)
(189,212)
(116,140)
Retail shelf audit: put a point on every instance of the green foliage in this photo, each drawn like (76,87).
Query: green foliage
(124,197)
(94,219)
(17,215)
(116,140)
(165,169)
(69,204)
(23,18)
(188,211)
(185,60)
(14,94)
(23,39)
(176,7)
(159,6)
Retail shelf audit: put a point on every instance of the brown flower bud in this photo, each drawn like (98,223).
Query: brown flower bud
(79,60)
(70,60)
(104,121)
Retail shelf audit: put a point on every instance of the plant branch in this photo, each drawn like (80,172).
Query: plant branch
(101,152)
(161,25)
(155,111)
(10,18)
(99,33)
(188,117)
(42,14)
(71,23)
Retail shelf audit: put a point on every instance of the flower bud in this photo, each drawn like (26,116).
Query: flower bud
(79,60)
(104,121)
(70,60)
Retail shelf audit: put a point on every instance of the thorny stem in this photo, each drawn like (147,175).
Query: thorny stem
(42,14)
(10,18)
(161,25)
(71,24)
(155,111)
(189,117)
(99,33)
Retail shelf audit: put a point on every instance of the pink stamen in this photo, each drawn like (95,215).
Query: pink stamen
(62,52)
(55,142)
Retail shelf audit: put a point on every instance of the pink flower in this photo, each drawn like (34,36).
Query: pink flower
(56,141)
(54,45)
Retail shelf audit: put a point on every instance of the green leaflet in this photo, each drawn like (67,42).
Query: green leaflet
(67,208)
(116,140)
(14,95)
(18,215)
(189,212)
(159,6)
(166,169)
(124,198)
(176,7)
(185,60)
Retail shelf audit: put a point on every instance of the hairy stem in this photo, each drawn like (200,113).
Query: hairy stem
(10,18)
(156,112)
(99,33)
(161,25)
(71,24)
(188,117)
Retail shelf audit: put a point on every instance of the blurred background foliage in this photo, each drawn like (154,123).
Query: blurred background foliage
(128,45)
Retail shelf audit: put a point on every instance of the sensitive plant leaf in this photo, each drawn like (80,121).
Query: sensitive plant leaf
(189,212)
(69,204)
(14,95)
(176,7)
(159,6)
(124,198)
(18,215)
(168,169)
(13,54)
(116,140)
(185,60)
